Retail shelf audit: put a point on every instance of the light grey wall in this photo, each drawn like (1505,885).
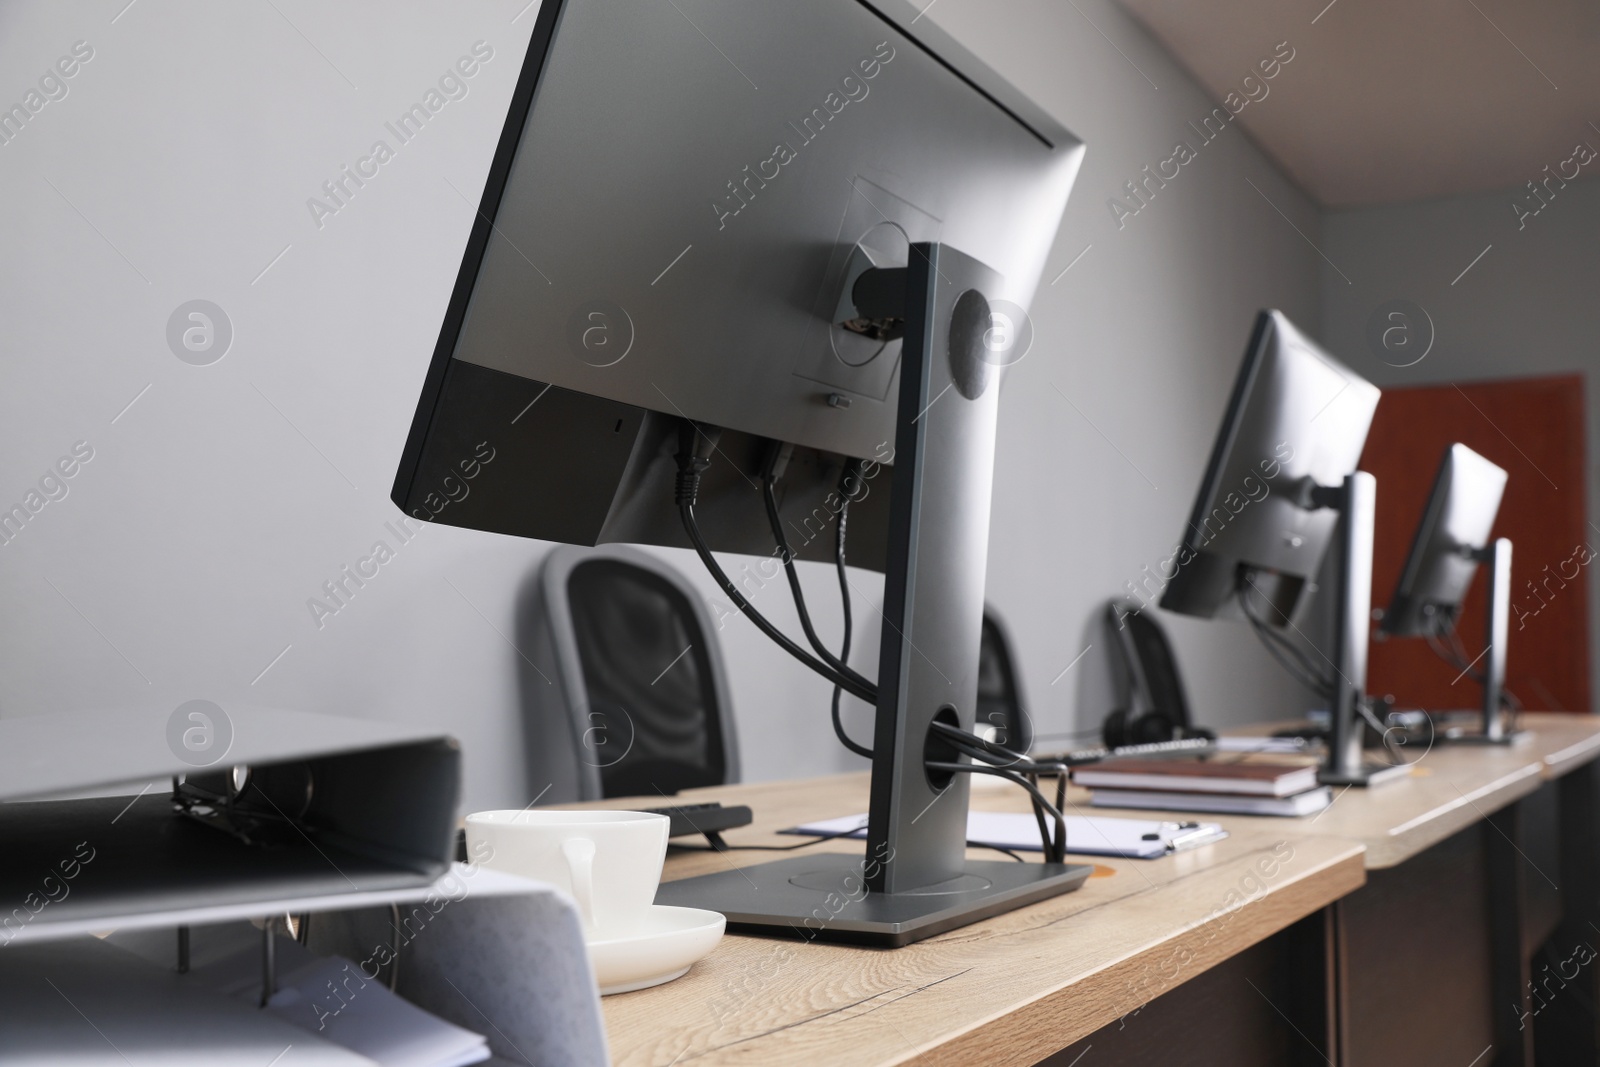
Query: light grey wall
(1106,425)
(1527,307)
(179,565)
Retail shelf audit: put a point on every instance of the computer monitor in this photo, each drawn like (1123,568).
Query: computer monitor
(715,229)
(1452,538)
(1280,488)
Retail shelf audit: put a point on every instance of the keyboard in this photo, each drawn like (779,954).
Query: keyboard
(703,818)
(686,819)
(1080,756)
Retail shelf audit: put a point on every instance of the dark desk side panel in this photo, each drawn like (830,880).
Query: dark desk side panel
(1269,1005)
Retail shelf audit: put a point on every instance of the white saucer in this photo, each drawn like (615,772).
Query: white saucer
(670,941)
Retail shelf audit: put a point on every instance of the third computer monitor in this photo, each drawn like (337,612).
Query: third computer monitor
(1454,530)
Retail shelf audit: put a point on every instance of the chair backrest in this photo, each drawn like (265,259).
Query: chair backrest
(640,681)
(1152,669)
(1000,702)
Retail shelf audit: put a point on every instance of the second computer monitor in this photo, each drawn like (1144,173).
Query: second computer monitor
(1297,420)
(1453,532)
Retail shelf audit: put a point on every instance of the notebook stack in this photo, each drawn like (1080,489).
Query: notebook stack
(1228,785)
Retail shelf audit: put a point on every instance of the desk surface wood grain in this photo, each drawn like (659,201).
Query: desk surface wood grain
(1009,990)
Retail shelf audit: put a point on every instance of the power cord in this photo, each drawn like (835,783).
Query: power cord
(695,445)
(1455,653)
(694,456)
(1000,761)
(1279,647)
(719,845)
(851,473)
(777,459)
(1054,847)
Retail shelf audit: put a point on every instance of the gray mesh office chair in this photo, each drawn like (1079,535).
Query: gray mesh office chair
(1000,703)
(637,700)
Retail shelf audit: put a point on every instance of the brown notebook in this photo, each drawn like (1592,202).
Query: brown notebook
(1255,778)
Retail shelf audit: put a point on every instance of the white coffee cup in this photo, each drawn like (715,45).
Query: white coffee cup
(609,861)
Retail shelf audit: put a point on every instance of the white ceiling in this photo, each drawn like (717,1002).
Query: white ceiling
(1386,102)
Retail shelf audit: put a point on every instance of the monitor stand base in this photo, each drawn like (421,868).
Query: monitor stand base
(1516,737)
(1369,774)
(823,896)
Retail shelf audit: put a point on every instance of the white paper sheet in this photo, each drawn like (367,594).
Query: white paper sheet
(334,999)
(1086,835)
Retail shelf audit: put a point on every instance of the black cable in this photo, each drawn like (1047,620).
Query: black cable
(1305,671)
(1050,852)
(817,840)
(1364,709)
(1266,631)
(690,468)
(769,496)
(1455,654)
(1278,647)
(998,755)
(828,837)
(1044,831)
(851,471)
(1061,827)
(989,760)
(1019,769)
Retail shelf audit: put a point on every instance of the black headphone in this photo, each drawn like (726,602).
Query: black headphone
(1158,710)
(1146,728)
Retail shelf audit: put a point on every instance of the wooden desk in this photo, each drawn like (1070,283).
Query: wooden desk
(1567,742)
(1468,879)
(1404,925)
(1450,788)
(1010,990)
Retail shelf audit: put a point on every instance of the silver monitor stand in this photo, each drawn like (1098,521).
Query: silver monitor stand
(1496,632)
(1355,501)
(915,880)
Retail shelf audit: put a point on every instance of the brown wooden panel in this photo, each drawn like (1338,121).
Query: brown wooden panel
(1269,1005)
(1416,960)
(1534,428)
